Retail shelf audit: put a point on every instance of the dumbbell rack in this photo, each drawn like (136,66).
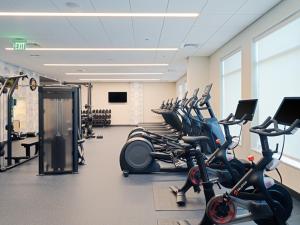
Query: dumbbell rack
(101,117)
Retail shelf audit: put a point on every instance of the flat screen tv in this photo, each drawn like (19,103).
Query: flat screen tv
(117,97)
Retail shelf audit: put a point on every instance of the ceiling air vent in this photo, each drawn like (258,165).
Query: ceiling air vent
(190,45)
(72,5)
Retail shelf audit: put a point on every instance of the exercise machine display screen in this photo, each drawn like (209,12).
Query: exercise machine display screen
(246,107)
(185,95)
(196,92)
(117,97)
(289,111)
(207,90)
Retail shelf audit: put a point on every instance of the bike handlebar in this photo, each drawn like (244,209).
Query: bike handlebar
(231,120)
(275,131)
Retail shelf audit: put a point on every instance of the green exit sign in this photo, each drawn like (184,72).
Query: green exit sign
(19,45)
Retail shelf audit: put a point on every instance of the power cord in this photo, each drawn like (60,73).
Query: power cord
(281,153)
(239,139)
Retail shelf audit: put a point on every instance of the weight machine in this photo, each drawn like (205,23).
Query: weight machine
(86,128)
(8,86)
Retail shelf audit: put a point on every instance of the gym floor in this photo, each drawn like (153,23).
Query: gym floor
(98,195)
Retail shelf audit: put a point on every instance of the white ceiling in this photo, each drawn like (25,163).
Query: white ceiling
(217,23)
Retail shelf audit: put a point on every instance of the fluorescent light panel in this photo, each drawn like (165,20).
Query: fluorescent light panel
(96,49)
(65,14)
(119,79)
(105,65)
(114,73)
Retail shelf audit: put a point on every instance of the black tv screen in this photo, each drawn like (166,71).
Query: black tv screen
(117,97)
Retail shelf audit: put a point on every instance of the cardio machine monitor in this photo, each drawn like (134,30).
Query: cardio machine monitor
(207,90)
(246,107)
(288,111)
(195,92)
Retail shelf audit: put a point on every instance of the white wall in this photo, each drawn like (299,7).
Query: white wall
(154,94)
(244,42)
(141,98)
(197,73)
(179,82)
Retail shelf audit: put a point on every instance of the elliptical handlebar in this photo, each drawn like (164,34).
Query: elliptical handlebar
(275,131)
(17,77)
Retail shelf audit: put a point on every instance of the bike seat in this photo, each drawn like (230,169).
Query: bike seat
(195,139)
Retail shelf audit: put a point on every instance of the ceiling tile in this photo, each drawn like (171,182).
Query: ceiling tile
(147,31)
(92,31)
(186,5)
(239,22)
(119,32)
(175,31)
(111,5)
(252,7)
(28,5)
(148,6)
(228,6)
(211,20)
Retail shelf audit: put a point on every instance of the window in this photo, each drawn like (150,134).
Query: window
(276,76)
(231,89)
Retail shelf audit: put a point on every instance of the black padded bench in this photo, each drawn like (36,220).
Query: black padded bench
(27,145)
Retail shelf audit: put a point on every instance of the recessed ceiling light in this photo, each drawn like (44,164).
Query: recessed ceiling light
(114,73)
(104,64)
(119,79)
(68,14)
(96,49)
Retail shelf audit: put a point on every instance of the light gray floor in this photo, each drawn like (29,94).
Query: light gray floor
(98,195)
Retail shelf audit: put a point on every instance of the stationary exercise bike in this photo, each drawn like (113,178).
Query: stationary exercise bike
(222,164)
(266,202)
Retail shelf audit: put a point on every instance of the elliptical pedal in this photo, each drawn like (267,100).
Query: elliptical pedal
(179,163)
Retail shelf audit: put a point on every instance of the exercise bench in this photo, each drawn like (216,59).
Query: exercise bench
(27,145)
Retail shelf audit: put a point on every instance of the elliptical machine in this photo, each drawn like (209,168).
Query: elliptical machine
(175,116)
(141,152)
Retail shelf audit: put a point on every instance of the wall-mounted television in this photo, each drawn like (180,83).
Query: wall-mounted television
(117,97)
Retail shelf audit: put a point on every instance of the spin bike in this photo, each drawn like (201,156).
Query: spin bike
(265,201)
(222,164)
